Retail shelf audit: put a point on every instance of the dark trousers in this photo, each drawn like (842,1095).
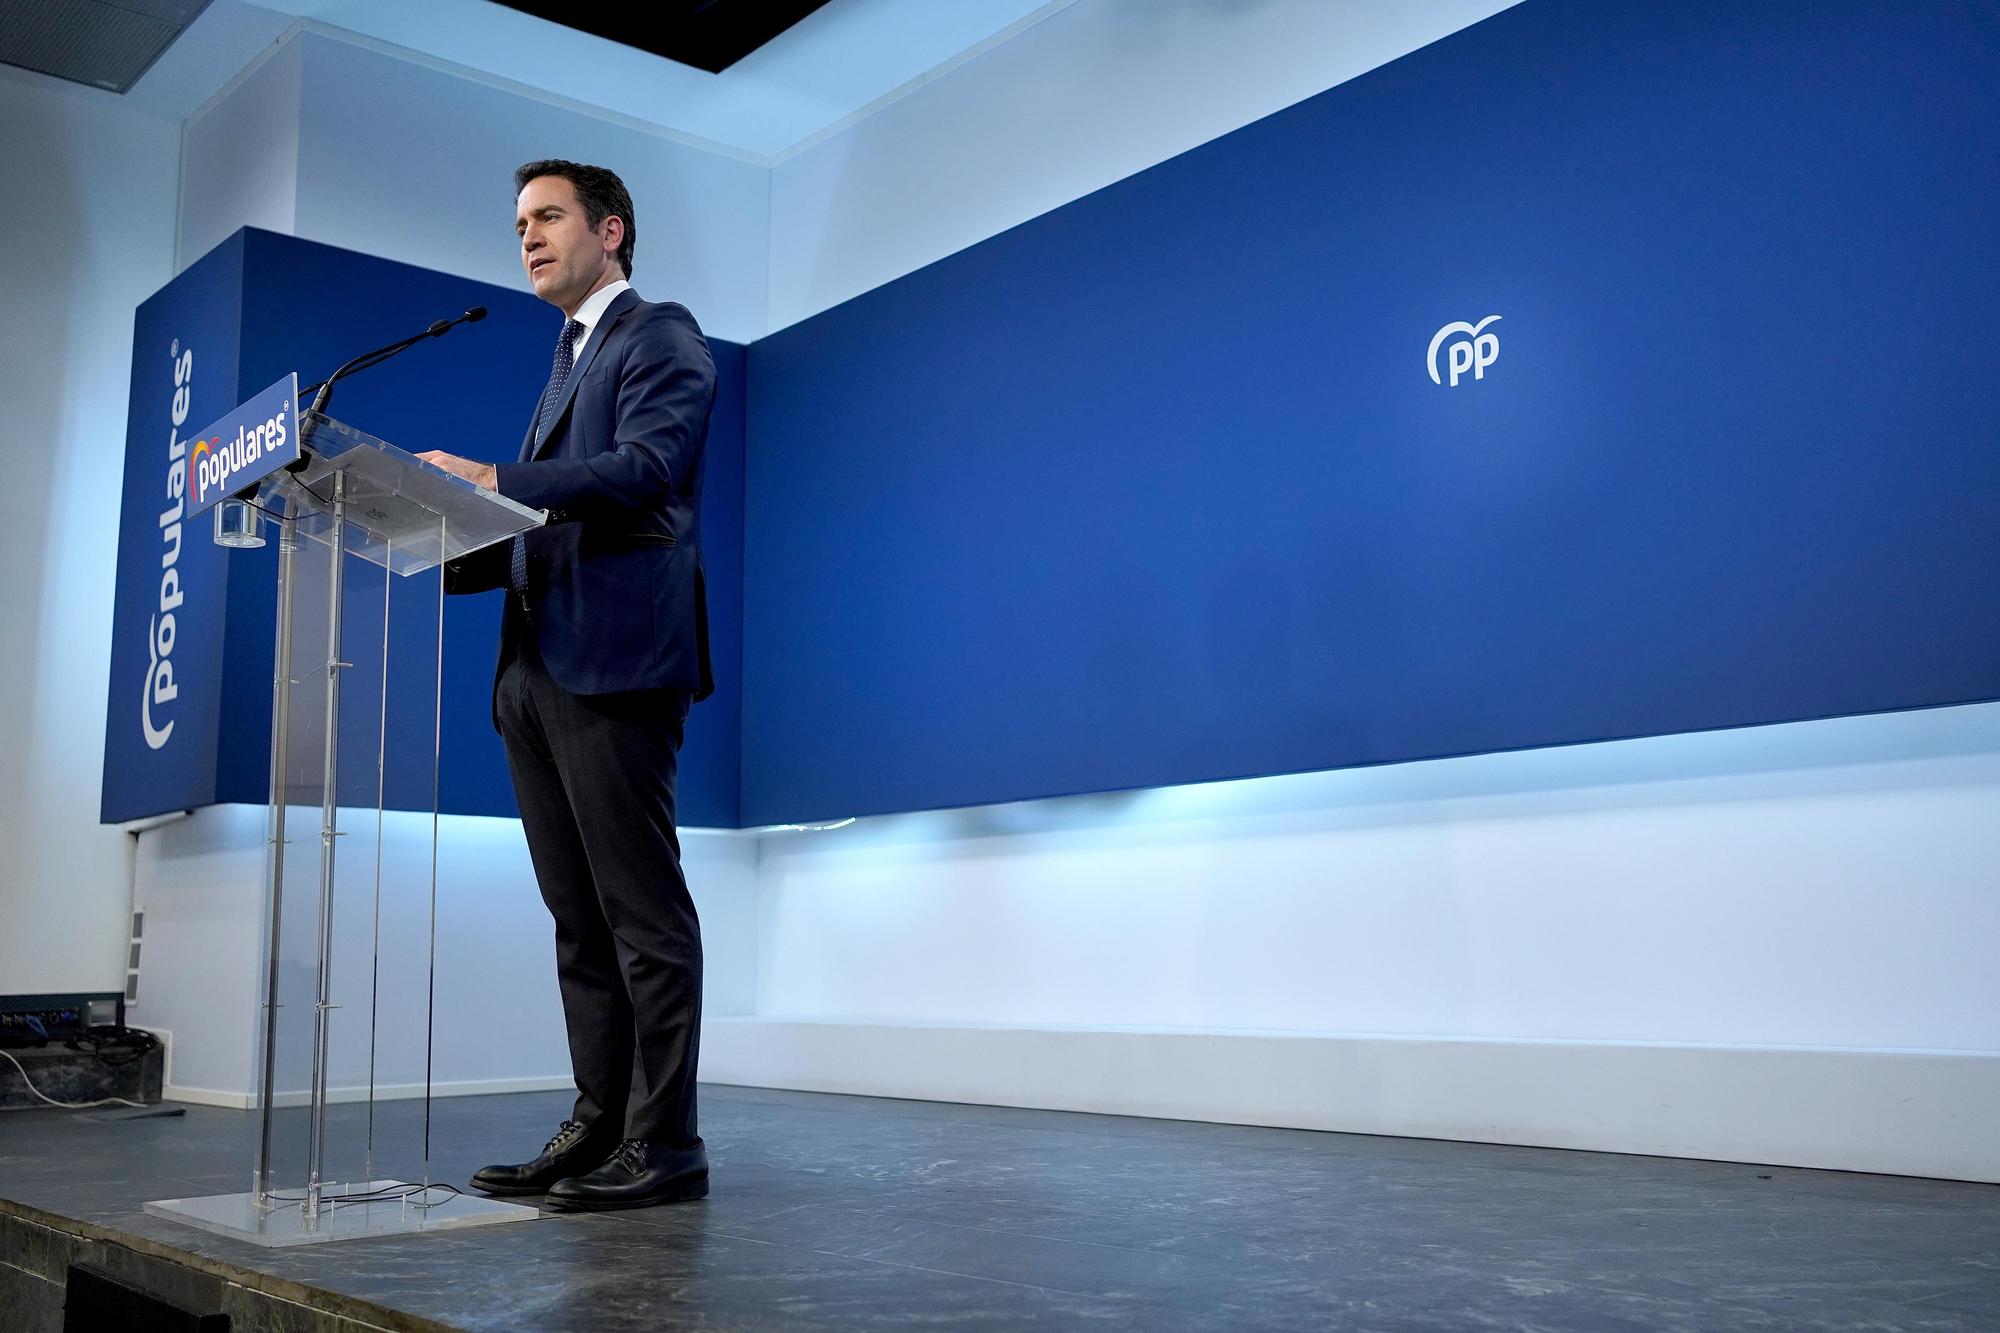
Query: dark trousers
(594,776)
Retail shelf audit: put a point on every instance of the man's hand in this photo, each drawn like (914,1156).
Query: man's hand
(479,474)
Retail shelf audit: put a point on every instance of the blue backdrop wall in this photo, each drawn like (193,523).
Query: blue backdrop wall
(1178,483)
(1159,487)
(263,304)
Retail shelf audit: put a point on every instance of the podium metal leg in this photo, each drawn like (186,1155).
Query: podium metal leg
(281,715)
(329,836)
(431,963)
(381,804)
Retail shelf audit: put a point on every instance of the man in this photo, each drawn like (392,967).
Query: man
(603,646)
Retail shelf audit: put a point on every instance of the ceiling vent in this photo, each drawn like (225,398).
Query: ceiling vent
(96,42)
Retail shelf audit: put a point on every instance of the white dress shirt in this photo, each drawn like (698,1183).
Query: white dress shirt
(591,311)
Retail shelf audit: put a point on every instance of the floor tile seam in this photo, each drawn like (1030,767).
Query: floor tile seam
(1691,1203)
(407,1323)
(1044,1288)
(31,1275)
(1116,1298)
(894,1264)
(1738,1311)
(1074,1122)
(1502,1170)
(1098,1295)
(1916,1301)
(1203,1225)
(1036,1235)
(1129,1127)
(12,1267)
(1695,1293)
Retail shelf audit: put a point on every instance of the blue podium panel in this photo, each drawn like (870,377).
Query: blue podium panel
(164,702)
(1599,371)
(471,393)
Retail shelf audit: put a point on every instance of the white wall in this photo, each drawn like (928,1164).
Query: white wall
(1089,95)
(415,164)
(343,143)
(240,166)
(89,220)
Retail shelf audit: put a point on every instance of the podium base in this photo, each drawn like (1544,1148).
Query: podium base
(346,1212)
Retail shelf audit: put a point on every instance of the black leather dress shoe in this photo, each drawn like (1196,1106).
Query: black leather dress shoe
(574,1151)
(638,1174)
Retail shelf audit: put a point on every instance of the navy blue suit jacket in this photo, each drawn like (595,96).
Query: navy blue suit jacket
(616,597)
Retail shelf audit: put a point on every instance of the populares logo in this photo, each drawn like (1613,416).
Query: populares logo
(213,461)
(159,688)
(1469,347)
(234,454)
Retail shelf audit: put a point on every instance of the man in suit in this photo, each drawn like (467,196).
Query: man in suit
(603,647)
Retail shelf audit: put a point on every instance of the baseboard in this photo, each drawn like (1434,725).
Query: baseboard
(384,1092)
(1918,1113)
(234,1101)
(396,1092)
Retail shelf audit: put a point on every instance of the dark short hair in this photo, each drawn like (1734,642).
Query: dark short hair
(598,189)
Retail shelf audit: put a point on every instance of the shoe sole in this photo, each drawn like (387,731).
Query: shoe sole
(679,1194)
(508,1191)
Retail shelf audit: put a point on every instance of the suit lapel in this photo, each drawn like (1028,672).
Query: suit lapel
(614,312)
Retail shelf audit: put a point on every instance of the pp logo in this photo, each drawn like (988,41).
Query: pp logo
(1470,348)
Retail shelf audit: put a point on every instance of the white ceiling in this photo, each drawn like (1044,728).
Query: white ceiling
(821,74)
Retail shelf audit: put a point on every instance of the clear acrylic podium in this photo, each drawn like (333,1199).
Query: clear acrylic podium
(351,892)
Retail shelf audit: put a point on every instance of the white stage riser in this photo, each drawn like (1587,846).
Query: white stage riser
(1890,1112)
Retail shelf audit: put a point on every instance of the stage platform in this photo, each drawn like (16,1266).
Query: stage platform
(850,1212)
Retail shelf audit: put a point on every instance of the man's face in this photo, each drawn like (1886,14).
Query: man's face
(564,258)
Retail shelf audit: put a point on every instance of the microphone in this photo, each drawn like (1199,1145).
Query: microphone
(444,326)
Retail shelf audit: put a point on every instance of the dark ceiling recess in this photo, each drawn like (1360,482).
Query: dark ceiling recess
(708,34)
(87,41)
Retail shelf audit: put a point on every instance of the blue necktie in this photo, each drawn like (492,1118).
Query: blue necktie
(517,566)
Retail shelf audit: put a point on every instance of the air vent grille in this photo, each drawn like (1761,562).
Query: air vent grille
(91,41)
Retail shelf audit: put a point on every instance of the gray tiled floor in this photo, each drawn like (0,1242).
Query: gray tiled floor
(832,1212)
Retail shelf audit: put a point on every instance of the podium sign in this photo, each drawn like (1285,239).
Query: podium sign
(248,445)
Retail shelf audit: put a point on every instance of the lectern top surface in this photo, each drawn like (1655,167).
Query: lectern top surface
(399,511)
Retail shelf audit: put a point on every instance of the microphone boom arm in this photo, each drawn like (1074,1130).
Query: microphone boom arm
(381,354)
